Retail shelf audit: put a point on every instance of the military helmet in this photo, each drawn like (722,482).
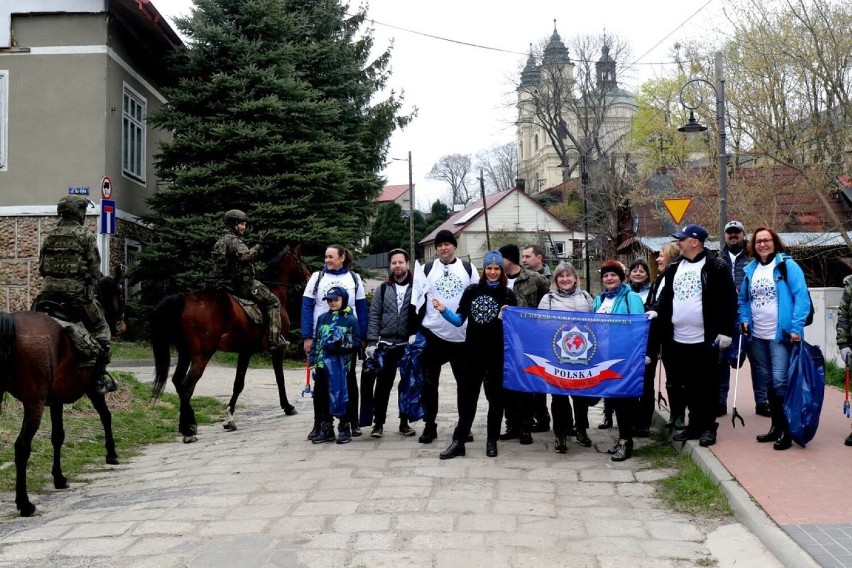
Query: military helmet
(234,217)
(72,207)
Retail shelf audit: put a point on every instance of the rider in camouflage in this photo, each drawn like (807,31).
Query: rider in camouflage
(234,263)
(70,264)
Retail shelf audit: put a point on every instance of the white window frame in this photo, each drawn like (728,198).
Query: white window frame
(4,120)
(559,249)
(134,134)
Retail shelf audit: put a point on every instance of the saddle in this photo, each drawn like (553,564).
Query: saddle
(250,307)
(86,348)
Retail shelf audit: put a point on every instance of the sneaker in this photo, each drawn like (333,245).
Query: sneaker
(606,423)
(325,434)
(583,438)
(560,445)
(344,434)
(405,429)
(377,431)
(623,451)
(540,426)
(510,434)
(356,432)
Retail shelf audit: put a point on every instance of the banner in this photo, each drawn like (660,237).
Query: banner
(420,286)
(574,353)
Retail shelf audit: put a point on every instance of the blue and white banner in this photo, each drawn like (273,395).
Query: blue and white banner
(574,353)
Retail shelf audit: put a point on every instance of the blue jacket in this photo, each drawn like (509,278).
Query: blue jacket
(793,301)
(626,302)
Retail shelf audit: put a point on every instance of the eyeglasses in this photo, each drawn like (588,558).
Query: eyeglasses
(762,241)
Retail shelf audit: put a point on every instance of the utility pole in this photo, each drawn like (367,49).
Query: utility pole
(484,208)
(411,213)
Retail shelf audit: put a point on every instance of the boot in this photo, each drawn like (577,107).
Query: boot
(104,382)
(708,438)
(784,440)
(512,430)
(378,431)
(583,438)
(560,446)
(777,412)
(491,448)
(404,428)
(325,434)
(454,450)
(848,440)
(526,438)
(623,451)
(314,431)
(606,423)
(344,433)
(275,341)
(430,432)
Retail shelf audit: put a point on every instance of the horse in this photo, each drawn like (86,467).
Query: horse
(38,367)
(200,323)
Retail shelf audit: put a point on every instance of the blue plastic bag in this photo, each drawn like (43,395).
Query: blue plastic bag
(805,391)
(411,380)
(369,373)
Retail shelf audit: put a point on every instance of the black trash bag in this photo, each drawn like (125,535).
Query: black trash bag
(411,380)
(369,373)
(805,391)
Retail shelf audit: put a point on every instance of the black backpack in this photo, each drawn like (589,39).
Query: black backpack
(782,269)
(465,263)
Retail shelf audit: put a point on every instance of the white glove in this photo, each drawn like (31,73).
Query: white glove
(651,314)
(647,360)
(370,350)
(412,338)
(846,354)
(724,341)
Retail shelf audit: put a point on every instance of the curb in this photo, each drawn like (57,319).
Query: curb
(746,509)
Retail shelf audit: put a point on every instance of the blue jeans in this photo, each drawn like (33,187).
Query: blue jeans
(769,361)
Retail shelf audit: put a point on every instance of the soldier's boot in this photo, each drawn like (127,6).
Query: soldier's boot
(104,383)
(275,340)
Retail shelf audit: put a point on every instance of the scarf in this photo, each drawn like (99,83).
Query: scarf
(609,294)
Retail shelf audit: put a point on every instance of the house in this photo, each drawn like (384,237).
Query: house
(398,194)
(512,216)
(77,81)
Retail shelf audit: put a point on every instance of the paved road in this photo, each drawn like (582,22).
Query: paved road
(263,496)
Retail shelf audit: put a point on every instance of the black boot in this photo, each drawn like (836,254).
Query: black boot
(314,431)
(104,382)
(777,413)
(623,451)
(784,440)
(708,438)
(606,423)
(430,432)
(560,446)
(454,450)
(325,434)
(490,448)
(583,438)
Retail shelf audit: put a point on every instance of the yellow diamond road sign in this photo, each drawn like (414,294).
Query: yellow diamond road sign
(677,207)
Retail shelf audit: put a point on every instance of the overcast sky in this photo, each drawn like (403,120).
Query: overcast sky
(463,92)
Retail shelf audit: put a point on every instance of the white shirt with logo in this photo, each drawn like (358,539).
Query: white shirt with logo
(764,302)
(447,282)
(687,315)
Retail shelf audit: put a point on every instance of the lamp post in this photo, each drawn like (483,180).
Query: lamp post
(693,125)
(584,148)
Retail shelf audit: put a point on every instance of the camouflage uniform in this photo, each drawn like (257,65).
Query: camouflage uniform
(530,287)
(70,264)
(234,263)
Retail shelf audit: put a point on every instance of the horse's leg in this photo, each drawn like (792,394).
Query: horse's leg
(188,426)
(57,438)
(239,384)
(23,449)
(99,402)
(277,366)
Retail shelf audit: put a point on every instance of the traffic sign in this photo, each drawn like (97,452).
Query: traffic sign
(106,187)
(677,207)
(107,217)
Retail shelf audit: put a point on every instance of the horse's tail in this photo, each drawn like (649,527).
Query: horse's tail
(165,327)
(7,340)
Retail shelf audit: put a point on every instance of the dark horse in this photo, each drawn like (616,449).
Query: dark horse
(39,368)
(201,323)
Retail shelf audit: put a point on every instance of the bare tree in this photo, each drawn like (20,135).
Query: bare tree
(499,164)
(455,170)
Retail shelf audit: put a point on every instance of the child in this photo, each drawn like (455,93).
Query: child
(336,340)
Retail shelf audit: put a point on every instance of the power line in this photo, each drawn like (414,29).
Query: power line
(671,33)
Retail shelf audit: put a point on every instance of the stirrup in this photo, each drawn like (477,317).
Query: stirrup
(106,384)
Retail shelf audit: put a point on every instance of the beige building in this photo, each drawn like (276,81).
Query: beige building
(512,217)
(77,81)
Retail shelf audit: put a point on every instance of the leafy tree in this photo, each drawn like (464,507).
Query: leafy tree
(455,170)
(276,110)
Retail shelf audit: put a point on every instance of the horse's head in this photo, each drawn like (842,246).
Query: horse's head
(112,300)
(287,269)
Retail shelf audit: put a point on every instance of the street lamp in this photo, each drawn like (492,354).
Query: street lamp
(413,251)
(693,125)
(584,148)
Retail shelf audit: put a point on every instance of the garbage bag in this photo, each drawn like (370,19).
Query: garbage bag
(805,391)
(369,373)
(338,395)
(411,380)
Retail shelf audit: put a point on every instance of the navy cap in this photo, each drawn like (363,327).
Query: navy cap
(692,231)
(335,292)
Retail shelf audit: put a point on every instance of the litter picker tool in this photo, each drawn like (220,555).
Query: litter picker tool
(661,400)
(735,414)
(307,389)
(846,409)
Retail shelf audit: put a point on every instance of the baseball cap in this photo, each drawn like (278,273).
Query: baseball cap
(692,231)
(736,226)
(334,292)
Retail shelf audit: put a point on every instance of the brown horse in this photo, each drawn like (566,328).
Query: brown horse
(39,368)
(201,323)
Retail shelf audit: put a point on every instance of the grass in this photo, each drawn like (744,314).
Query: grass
(689,490)
(135,423)
(835,375)
(134,350)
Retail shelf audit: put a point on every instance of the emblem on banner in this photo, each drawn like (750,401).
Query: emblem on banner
(574,346)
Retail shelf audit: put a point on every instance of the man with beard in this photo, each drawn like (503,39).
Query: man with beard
(735,255)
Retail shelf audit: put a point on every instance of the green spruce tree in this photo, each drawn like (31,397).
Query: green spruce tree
(272,112)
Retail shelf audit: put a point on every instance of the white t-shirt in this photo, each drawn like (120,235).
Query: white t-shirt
(687,317)
(400,297)
(447,283)
(606,306)
(326,280)
(764,302)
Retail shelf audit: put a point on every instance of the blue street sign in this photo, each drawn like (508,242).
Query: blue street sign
(82,190)
(107,217)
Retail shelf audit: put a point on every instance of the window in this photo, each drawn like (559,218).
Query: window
(535,143)
(4,119)
(133,135)
(559,249)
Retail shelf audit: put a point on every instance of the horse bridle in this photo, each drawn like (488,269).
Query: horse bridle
(299,264)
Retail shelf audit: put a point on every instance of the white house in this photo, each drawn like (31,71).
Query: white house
(513,216)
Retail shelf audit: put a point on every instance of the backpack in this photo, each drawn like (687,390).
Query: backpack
(355,278)
(782,269)
(465,263)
